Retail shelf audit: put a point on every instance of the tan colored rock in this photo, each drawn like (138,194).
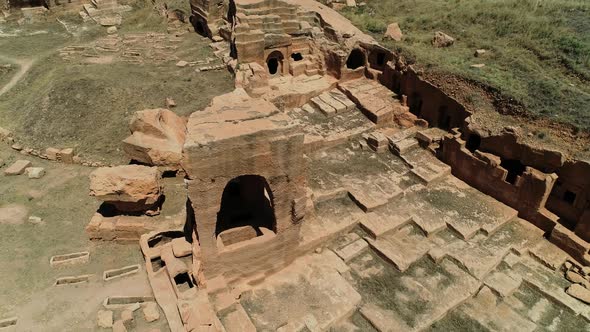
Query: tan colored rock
(181,248)
(18,167)
(150,312)
(52,153)
(112,30)
(170,102)
(127,318)
(105,318)
(441,39)
(35,172)
(157,138)
(134,184)
(67,155)
(579,292)
(394,32)
(118,326)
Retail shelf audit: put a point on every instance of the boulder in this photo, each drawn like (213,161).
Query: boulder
(394,32)
(129,188)
(441,39)
(118,326)
(157,138)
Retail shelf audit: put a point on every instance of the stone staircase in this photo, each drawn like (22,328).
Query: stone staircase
(232,315)
(331,103)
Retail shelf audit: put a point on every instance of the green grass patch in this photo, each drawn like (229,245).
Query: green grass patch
(538,51)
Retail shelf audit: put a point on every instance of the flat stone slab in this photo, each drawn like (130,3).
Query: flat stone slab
(434,289)
(403,247)
(378,225)
(503,284)
(238,321)
(352,250)
(18,167)
(495,315)
(467,210)
(310,287)
(369,198)
(551,284)
(475,259)
(549,254)
(181,247)
(383,320)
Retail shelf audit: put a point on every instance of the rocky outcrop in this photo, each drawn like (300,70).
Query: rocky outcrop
(157,137)
(130,188)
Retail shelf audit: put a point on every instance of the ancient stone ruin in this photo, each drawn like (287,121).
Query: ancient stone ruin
(323,116)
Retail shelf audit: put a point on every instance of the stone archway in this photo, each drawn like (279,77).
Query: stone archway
(247,205)
(356,59)
(274,63)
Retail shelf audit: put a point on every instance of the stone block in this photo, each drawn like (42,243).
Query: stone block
(18,167)
(35,172)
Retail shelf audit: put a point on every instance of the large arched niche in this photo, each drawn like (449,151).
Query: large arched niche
(246,210)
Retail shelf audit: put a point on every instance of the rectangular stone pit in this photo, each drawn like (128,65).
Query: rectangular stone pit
(70,259)
(119,273)
(118,302)
(8,322)
(72,280)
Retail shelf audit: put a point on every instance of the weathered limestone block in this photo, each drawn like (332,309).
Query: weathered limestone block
(18,167)
(129,188)
(157,137)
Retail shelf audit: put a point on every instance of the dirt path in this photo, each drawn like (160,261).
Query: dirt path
(24,66)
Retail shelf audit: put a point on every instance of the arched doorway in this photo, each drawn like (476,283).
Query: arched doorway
(356,59)
(246,202)
(274,63)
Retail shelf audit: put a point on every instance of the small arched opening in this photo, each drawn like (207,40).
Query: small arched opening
(274,63)
(356,59)
(296,56)
(247,205)
(444,119)
(473,142)
(416,105)
(199,26)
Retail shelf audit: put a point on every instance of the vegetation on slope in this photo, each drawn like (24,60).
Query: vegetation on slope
(538,52)
(61,103)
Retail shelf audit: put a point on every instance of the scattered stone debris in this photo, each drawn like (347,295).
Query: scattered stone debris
(181,63)
(35,220)
(441,39)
